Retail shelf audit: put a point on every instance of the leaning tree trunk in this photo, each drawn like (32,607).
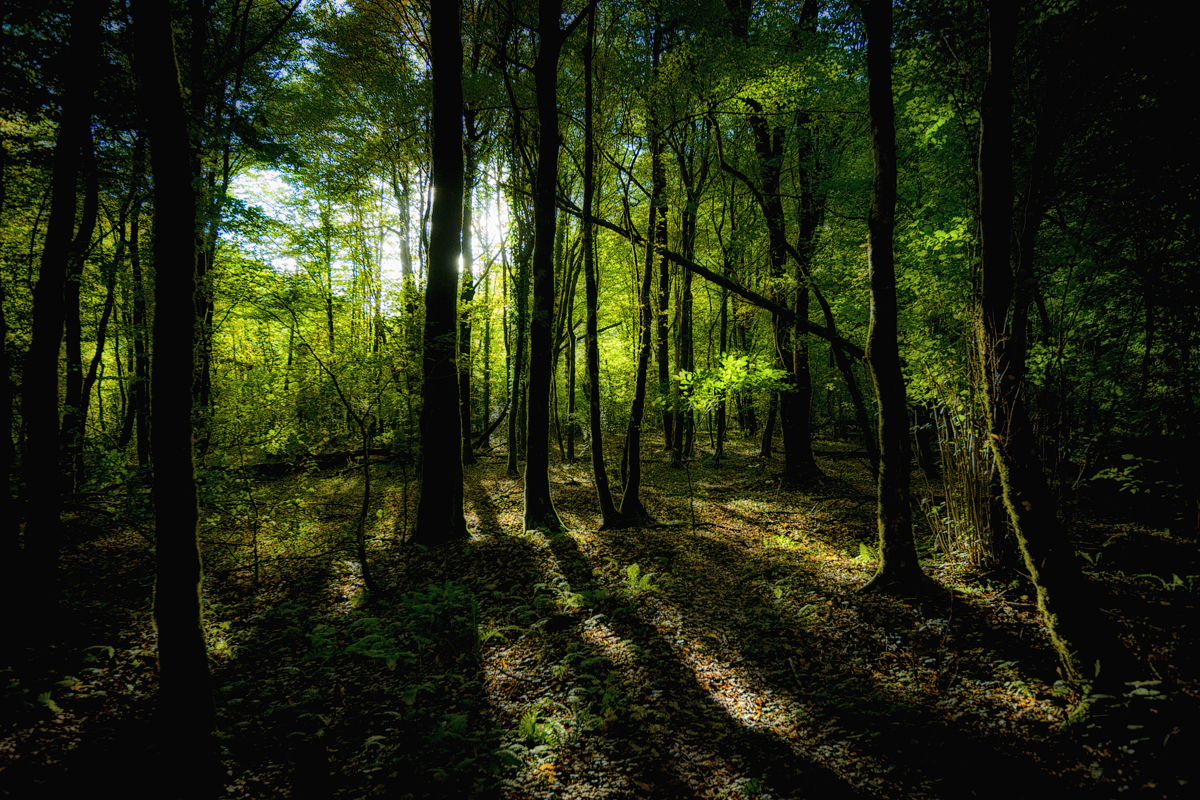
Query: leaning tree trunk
(632,509)
(899,569)
(1080,635)
(185,703)
(440,518)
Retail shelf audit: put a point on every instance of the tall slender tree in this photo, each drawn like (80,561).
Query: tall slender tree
(1087,648)
(539,506)
(899,568)
(185,703)
(440,518)
(40,382)
(608,509)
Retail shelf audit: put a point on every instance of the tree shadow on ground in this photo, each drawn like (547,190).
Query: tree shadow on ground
(919,748)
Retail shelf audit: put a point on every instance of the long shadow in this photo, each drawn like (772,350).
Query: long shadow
(925,751)
(697,721)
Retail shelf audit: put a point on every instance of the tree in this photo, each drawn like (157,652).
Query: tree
(608,509)
(899,568)
(440,517)
(185,703)
(539,506)
(40,403)
(1084,644)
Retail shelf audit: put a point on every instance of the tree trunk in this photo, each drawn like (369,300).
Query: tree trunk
(662,320)
(185,704)
(139,399)
(768,437)
(632,510)
(74,398)
(10,543)
(608,509)
(540,513)
(40,380)
(440,518)
(464,325)
(1080,635)
(899,569)
(722,403)
(516,418)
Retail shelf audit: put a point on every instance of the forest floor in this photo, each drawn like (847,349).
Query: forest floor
(722,653)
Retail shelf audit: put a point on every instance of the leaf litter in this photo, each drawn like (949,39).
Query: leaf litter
(722,653)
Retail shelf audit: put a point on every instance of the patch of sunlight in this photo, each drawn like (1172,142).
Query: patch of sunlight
(783,542)
(747,505)
(346,585)
(621,651)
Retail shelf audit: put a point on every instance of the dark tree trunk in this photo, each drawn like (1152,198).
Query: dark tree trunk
(722,403)
(684,418)
(693,177)
(1082,638)
(662,320)
(766,446)
(74,398)
(608,509)
(539,507)
(185,703)
(440,518)
(924,436)
(632,509)
(96,361)
(40,381)
(464,325)
(10,544)
(139,399)
(899,569)
(517,391)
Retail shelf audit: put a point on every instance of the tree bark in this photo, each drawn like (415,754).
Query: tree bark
(74,397)
(40,381)
(468,296)
(516,418)
(539,507)
(608,509)
(899,570)
(440,518)
(1081,636)
(185,704)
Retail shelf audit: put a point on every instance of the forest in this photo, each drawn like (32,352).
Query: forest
(531,399)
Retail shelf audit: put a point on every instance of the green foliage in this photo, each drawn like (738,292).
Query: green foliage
(566,599)
(544,731)
(704,389)
(866,554)
(1187,583)
(638,583)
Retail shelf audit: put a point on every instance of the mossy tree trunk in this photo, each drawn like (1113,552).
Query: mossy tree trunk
(899,569)
(1068,604)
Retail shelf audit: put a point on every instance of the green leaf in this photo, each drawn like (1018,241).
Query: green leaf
(45,699)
